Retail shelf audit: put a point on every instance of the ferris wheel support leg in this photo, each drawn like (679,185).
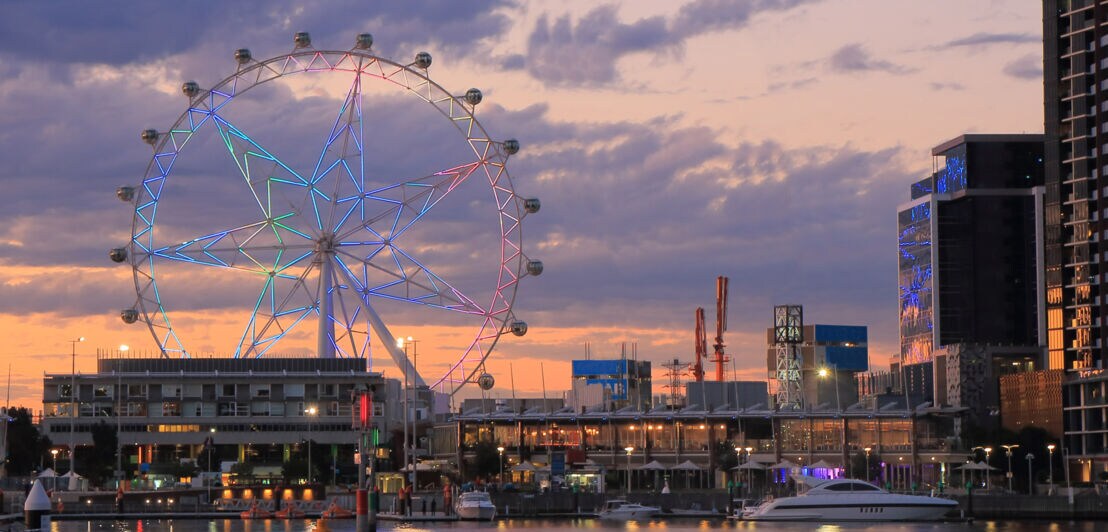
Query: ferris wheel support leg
(386,337)
(326,347)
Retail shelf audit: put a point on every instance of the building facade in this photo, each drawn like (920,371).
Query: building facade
(257,411)
(830,357)
(610,384)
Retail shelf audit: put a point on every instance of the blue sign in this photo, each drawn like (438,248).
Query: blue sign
(558,464)
(617,388)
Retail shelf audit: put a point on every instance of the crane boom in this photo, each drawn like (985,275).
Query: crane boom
(701,346)
(721,325)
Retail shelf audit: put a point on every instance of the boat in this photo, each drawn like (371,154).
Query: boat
(289,512)
(475,505)
(334,511)
(848,500)
(255,512)
(621,510)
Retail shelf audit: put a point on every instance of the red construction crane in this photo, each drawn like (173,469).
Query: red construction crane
(701,346)
(721,325)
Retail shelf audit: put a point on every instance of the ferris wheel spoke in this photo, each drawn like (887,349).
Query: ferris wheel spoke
(390,273)
(406,203)
(275,187)
(283,303)
(338,177)
(260,247)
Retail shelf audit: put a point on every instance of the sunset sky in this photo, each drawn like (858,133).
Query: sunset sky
(670,142)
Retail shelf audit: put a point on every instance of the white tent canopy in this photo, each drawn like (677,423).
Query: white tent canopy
(750,465)
(823,465)
(71,474)
(653,465)
(784,464)
(524,466)
(687,465)
(46,473)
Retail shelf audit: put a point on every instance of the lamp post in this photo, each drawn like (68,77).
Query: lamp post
(311,413)
(1008,452)
(867,450)
(1030,477)
(629,450)
(1050,462)
(73,406)
(118,421)
(500,472)
(403,344)
(54,479)
(749,472)
(988,451)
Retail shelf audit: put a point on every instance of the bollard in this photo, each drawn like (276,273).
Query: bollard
(361,510)
(36,511)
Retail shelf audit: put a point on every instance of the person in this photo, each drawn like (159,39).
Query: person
(408,498)
(447,494)
(402,497)
(423,504)
(434,504)
(119,500)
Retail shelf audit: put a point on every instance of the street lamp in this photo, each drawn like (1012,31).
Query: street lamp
(988,450)
(1030,477)
(867,450)
(629,450)
(500,472)
(73,406)
(1050,461)
(403,344)
(1008,453)
(311,412)
(54,453)
(749,473)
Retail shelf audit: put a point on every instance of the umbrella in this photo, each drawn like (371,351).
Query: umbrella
(750,465)
(70,474)
(822,465)
(687,465)
(47,473)
(784,464)
(654,465)
(524,466)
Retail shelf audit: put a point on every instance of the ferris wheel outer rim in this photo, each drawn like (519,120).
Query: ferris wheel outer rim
(511,262)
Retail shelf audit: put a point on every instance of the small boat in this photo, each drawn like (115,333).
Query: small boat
(621,510)
(848,500)
(256,512)
(334,511)
(475,505)
(289,512)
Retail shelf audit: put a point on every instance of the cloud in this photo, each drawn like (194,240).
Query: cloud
(947,86)
(586,51)
(134,31)
(854,58)
(1028,67)
(982,39)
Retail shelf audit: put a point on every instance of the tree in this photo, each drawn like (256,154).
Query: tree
(99,461)
(486,459)
(858,465)
(726,456)
(243,472)
(27,449)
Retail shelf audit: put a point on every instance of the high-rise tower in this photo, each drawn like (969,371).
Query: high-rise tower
(1075,95)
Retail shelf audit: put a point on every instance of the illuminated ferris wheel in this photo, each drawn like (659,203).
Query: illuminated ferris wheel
(328,195)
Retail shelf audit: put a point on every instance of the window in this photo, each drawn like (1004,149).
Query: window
(294,390)
(259,391)
(227,390)
(65,390)
(136,390)
(102,391)
(171,391)
(171,409)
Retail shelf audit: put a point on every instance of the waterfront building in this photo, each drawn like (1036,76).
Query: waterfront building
(830,357)
(913,446)
(610,384)
(259,411)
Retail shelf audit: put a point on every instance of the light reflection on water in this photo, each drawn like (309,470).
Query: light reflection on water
(687,525)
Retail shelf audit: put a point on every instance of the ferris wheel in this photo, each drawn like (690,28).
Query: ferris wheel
(328,196)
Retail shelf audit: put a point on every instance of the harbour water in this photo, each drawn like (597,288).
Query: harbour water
(311,525)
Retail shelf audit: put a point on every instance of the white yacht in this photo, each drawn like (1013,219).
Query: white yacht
(621,510)
(475,505)
(848,500)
